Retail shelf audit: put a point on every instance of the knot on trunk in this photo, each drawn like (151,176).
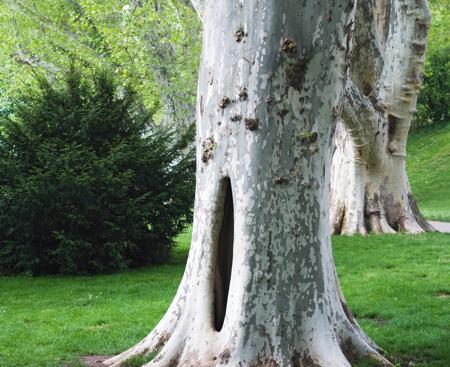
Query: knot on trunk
(309,137)
(243,94)
(239,35)
(225,355)
(224,102)
(251,124)
(236,117)
(281,180)
(288,46)
(208,149)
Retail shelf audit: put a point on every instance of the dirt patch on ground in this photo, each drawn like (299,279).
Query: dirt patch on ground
(376,319)
(443,294)
(94,361)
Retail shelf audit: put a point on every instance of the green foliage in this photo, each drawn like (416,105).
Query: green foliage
(87,186)
(434,99)
(399,298)
(6,105)
(152,45)
(429,170)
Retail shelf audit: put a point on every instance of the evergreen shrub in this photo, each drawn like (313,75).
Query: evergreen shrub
(87,185)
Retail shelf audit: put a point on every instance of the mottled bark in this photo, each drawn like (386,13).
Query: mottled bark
(370,188)
(260,287)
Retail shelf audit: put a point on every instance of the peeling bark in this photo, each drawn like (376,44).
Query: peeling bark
(370,188)
(260,287)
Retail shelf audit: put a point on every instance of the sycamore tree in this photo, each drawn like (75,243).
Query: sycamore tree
(260,286)
(370,188)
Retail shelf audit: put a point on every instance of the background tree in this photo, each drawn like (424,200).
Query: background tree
(155,44)
(260,286)
(151,45)
(370,188)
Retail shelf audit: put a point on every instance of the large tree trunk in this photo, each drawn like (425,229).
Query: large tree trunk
(370,188)
(260,287)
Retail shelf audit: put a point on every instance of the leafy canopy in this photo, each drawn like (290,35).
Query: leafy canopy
(152,45)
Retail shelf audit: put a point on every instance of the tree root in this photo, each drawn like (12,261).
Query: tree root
(329,354)
(340,348)
(348,221)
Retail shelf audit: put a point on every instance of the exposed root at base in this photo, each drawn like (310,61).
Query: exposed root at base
(378,222)
(331,354)
(151,343)
(94,361)
(359,351)
(354,345)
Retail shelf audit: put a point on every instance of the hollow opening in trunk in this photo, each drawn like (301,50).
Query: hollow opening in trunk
(224,258)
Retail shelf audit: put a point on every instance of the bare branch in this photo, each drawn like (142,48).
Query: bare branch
(22,57)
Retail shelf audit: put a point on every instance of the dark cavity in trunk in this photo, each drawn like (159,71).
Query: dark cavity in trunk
(224,258)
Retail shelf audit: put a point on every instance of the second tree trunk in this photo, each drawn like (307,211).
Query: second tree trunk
(370,188)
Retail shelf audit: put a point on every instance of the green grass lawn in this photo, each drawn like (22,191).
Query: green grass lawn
(429,171)
(398,286)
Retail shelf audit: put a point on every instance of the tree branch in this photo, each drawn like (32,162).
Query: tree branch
(21,57)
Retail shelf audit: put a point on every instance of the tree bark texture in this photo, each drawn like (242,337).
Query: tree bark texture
(370,188)
(260,286)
